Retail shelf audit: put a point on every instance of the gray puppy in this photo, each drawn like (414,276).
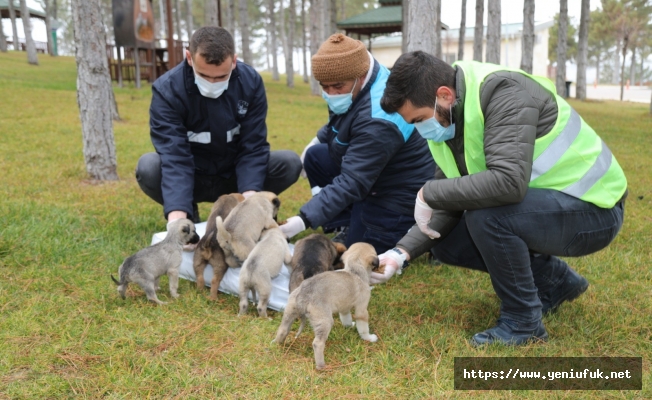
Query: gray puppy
(149,264)
(263,264)
(241,230)
(317,298)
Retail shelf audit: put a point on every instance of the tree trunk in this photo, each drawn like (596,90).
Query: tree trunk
(332,8)
(284,38)
(632,67)
(315,38)
(48,27)
(3,40)
(229,24)
(274,47)
(289,56)
(437,28)
(94,90)
(161,11)
(210,13)
(14,29)
(583,50)
(460,42)
(27,28)
(527,41)
(244,32)
(562,32)
(190,23)
(493,32)
(177,19)
(406,23)
(304,41)
(597,69)
(421,36)
(622,68)
(615,61)
(479,30)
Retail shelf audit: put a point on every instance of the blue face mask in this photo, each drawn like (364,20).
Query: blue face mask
(339,103)
(431,129)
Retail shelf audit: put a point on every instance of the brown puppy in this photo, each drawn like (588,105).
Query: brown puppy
(313,254)
(263,264)
(241,230)
(317,298)
(149,264)
(208,249)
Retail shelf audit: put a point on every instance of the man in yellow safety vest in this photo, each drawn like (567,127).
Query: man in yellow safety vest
(521,179)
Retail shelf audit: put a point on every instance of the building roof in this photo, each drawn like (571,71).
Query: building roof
(506,31)
(4,10)
(385,19)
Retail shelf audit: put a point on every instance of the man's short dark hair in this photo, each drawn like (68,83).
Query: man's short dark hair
(213,43)
(416,77)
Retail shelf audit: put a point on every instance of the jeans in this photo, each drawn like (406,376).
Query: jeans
(517,244)
(368,222)
(283,170)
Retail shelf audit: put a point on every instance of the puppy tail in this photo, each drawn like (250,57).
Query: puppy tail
(223,236)
(114,280)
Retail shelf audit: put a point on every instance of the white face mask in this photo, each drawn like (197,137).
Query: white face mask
(212,90)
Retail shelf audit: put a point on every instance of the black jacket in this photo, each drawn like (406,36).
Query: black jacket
(382,158)
(196,134)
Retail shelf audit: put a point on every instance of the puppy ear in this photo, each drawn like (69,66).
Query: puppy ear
(276,202)
(374,262)
(341,248)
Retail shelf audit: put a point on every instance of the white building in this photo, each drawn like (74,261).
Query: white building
(387,49)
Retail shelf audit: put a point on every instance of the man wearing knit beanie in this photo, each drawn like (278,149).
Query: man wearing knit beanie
(365,166)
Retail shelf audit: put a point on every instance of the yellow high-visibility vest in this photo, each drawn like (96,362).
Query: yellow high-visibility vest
(571,158)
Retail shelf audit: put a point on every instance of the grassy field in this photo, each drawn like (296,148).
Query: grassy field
(65,333)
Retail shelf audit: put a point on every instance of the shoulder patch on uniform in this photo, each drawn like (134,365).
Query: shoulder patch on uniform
(242,107)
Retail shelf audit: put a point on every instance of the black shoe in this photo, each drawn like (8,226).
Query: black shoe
(508,332)
(195,213)
(340,237)
(572,286)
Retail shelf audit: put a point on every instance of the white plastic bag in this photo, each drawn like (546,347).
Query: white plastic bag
(230,283)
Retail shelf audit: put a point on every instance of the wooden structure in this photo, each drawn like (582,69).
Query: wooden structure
(41,47)
(388,18)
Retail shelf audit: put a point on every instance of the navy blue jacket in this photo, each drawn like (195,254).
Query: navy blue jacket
(382,159)
(197,134)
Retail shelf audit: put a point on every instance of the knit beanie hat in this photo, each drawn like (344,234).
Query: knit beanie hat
(340,58)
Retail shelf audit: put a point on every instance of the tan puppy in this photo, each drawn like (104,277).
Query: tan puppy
(208,249)
(149,264)
(263,264)
(241,230)
(314,254)
(317,298)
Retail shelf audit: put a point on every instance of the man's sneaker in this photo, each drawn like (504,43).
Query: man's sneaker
(508,332)
(340,237)
(570,288)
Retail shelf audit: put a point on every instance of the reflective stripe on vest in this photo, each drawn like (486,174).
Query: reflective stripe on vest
(570,158)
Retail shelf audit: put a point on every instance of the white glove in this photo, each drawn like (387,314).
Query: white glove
(293,226)
(313,142)
(392,262)
(248,194)
(422,215)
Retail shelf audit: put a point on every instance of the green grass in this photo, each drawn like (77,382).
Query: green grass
(65,333)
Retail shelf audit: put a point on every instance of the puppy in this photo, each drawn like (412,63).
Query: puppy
(149,264)
(317,298)
(314,254)
(263,264)
(208,249)
(241,230)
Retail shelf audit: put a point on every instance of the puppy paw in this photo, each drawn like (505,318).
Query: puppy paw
(371,338)
(175,295)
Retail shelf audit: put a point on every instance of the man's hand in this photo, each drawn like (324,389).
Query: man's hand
(293,226)
(172,215)
(313,142)
(392,262)
(422,215)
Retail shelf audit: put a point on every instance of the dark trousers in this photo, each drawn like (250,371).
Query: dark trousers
(283,170)
(368,222)
(517,245)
